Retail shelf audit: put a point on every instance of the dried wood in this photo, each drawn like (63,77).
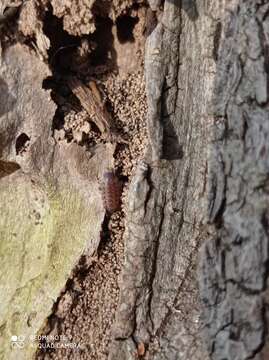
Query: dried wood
(91,100)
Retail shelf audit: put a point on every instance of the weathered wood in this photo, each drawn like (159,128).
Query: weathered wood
(197,155)
(159,299)
(51,209)
(91,100)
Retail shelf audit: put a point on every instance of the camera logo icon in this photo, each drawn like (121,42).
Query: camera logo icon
(17,341)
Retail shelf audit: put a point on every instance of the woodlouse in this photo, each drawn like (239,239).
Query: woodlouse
(111,191)
(141,349)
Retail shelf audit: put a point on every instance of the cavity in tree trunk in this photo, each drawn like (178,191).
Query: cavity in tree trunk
(171,98)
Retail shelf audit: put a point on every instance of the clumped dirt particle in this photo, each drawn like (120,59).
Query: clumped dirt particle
(95,287)
(77,15)
(128,100)
(76,125)
(126,97)
(85,312)
(120,7)
(88,322)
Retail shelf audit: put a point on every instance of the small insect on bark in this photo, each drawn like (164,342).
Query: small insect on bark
(141,350)
(111,191)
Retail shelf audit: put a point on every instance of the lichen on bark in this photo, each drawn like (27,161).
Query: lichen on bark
(46,218)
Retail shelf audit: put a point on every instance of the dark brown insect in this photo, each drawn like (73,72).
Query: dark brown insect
(112,189)
(141,349)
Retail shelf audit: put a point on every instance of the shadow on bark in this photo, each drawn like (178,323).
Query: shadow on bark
(7,100)
(189,6)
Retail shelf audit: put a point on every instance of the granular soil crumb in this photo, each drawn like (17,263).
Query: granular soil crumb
(128,99)
(82,318)
(76,125)
(77,15)
(85,312)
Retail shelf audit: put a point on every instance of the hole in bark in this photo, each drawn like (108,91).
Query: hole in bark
(62,44)
(125,27)
(58,120)
(57,87)
(94,58)
(103,38)
(61,55)
(21,142)
(74,56)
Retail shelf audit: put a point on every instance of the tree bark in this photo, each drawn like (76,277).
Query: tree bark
(159,304)
(234,265)
(202,183)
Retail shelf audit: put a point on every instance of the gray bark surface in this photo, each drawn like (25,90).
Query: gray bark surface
(159,304)
(234,265)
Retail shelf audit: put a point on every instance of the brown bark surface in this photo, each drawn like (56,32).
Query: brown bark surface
(194,171)
(165,222)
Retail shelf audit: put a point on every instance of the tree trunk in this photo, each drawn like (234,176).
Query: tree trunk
(199,182)
(166,220)
(234,265)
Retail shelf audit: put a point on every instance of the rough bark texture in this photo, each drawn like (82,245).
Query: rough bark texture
(50,214)
(51,169)
(234,265)
(159,302)
(168,202)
